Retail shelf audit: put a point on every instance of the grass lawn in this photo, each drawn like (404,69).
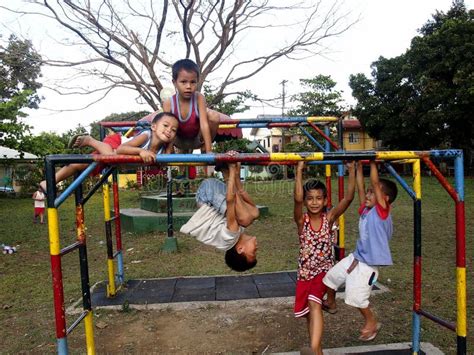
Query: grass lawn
(26,313)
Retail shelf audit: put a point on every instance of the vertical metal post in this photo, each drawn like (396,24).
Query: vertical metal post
(111,288)
(84,267)
(171,243)
(118,229)
(416,321)
(461,286)
(55,256)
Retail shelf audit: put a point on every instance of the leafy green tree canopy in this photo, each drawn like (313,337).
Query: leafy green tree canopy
(320,100)
(19,71)
(423,98)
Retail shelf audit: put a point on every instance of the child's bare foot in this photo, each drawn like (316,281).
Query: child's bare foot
(369,332)
(329,307)
(79,141)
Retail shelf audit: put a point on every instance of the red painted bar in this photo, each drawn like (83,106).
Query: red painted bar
(442,180)
(58,294)
(281,124)
(340,180)
(460,235)
(119,124)
(417,283)
(329,190)
(342,253)
(317,129)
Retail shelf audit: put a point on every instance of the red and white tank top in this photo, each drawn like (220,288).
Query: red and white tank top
(188,127)
(316,253)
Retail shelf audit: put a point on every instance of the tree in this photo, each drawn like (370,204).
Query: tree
(19,71)
(231,106)
(132,44)
(45,143)
(321,99)
(423,98)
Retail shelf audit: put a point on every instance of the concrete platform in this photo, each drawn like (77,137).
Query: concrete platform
(136,220)
(159,203)
(381,349)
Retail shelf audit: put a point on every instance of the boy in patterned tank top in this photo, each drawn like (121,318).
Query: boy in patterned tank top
(316,241)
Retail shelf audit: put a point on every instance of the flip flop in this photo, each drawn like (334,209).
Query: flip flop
(72,141)
(370,336)
(326,308)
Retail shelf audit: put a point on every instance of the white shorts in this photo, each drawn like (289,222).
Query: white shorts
(358,283)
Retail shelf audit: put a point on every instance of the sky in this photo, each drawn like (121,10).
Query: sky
(385,29)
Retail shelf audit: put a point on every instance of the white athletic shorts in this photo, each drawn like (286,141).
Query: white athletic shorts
(358,283)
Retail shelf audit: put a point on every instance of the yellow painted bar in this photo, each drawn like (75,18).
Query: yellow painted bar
(53,228)
(417,178)
(111,289)
(342,231)
(461,327)
(295,156)
(397,155)
(322,119)
(328,170)
(106,199)
(129,132)
(228,126)
(403,161)
(89,327)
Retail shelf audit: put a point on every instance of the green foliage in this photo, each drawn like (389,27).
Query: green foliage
(240,145)
(44,144)
(19,70)
(216,102)
(29,175)
(321,99)
(12,130)
(423,98)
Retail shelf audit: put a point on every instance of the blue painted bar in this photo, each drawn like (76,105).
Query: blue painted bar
(401,181)
(415,335)
(459,175)
(120,274)
(70,189)
(327,144)
(448,153)
(312,139)
(62,346)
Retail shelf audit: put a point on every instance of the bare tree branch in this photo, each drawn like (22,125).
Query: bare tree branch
(132,43)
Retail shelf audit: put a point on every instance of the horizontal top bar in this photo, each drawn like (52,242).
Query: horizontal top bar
(281,119)
(255,157)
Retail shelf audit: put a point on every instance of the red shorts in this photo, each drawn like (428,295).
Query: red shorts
(114,140)
(311,290)
(39,210)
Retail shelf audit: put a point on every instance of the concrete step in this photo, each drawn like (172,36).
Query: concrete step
(136,220)
(159,204)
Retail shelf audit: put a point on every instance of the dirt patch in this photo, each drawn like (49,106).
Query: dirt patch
(236,327)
